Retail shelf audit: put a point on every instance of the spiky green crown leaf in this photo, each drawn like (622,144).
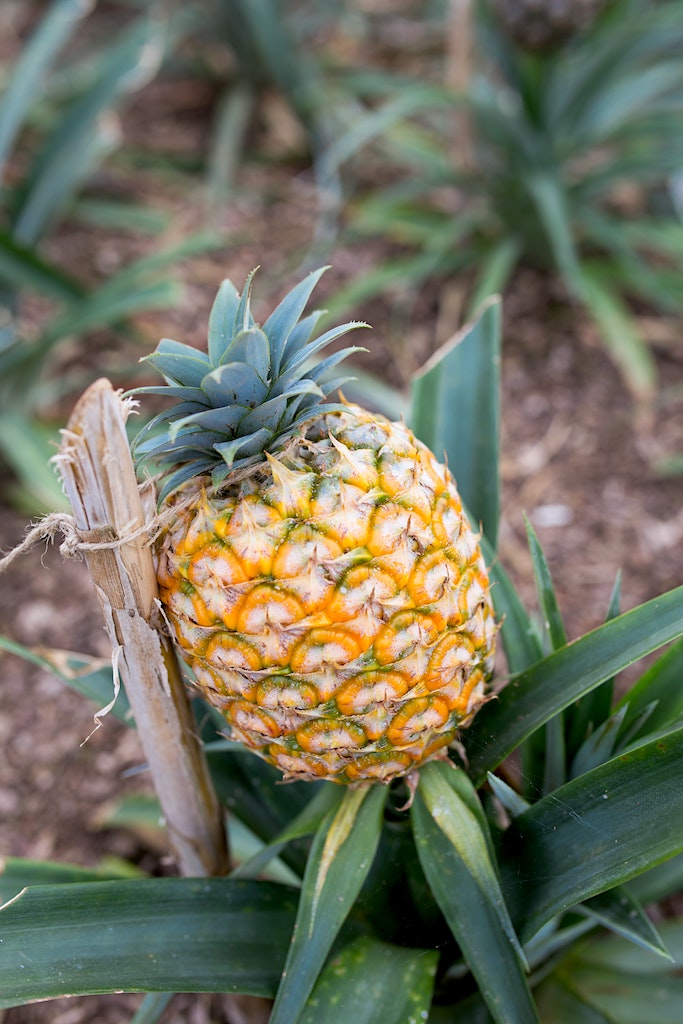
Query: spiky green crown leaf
(255,387)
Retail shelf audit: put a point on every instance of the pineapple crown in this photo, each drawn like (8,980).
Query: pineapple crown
(254,388)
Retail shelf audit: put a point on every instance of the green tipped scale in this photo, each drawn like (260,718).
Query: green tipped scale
(318,570)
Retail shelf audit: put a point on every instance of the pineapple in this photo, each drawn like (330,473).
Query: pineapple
(320,576)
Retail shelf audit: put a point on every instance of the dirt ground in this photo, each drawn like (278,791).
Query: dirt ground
(577,457)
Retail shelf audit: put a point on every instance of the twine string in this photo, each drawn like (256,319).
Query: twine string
(77,542)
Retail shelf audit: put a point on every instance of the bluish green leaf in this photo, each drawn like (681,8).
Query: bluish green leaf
(551,204)
(661,685)
(455,408)
(454,853)
(560,1004)
(513,803)
(91,677)
(53,30)
(222,320)
(339,861)
(520,640)
(147,935)
(618,910)
(554,683)
(284,317)
(580,841)
(630,998)
(56,174)
(22,268)
(369,977)
(18,872)
(305,823)
(599,746)
(620,955)
(553,627)
(494,272)
(660,882)
(620,333)
(152,1008)
(593,709)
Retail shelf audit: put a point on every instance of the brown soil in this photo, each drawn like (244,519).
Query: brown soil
(576,458)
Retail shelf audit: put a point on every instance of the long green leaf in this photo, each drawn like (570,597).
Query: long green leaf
(18,872)
(520,639)
(368,979)
(56,174)
(620,333)
(155,935)
(581,840)
(152,1008)
(455,408)
(45,43)
(629,998)
(554,683)
(560,1004)
(91,677)
(658,689)
(618,910)
(340,859)
(22,268)
(454,853)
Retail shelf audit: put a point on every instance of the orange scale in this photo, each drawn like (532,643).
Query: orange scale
(254,533)
(361,588)
(471,694)
(312,589)
(303,546)
(301,765)
(225,605)
(416,720)
(399,563)
(215,565)
(227,650)
(437,744)
(226,683)
(268,607)
(329,734)
(278,692)
(452,654)
(380,767)
(356,466)
(403,634)
(323,648)
(468,597)
(447,518)
(186,606)
(376,722)
(372,688)
(432,472)
(434,575)
(251,721)
(343,512)
(390,523)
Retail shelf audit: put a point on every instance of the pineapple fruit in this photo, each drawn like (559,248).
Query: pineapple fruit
(317,568)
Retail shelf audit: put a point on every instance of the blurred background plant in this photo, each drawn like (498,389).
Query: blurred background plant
(554,142)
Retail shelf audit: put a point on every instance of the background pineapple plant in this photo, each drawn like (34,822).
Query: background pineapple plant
(467,905)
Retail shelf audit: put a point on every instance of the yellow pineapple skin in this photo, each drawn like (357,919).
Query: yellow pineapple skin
(333,603)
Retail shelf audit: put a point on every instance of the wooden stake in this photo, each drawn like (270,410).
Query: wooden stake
(99,478)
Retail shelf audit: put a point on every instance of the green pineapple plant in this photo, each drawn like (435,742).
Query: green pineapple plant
(51,109)
(487,860)
(565,161)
